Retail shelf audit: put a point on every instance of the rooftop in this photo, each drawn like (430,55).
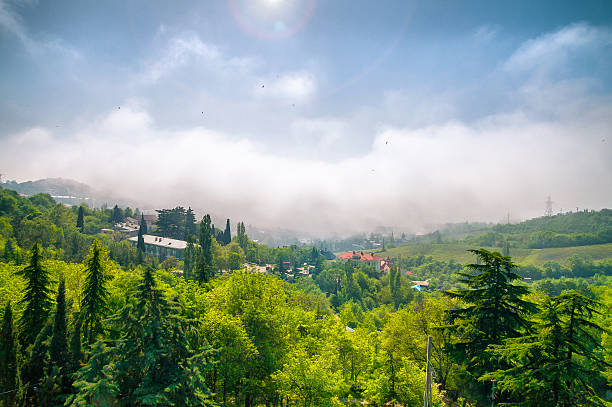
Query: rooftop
(359,256)
(161,241)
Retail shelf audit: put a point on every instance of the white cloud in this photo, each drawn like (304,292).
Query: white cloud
(12,23)
(554,49)
(451,171)
(188,49)
(292,87)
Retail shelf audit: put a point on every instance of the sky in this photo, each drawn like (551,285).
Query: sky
(319,116)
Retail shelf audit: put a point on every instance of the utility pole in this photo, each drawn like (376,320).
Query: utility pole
(549,203)
(493,383)
(427,393)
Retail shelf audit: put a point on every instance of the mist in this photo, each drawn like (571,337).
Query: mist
(230,130)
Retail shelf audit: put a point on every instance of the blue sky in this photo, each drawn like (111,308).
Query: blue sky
(311,114)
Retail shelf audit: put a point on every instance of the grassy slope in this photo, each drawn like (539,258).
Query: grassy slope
(457,252)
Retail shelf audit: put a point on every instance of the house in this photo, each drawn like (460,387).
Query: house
(362,258)
(161,247)
(386,264)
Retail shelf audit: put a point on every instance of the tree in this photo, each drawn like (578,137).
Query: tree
(190,224)
(204,262)
(93,305)
(242,237)
(76,352)
(189,258)
(140,244)
(36,299)
(58,349)
(171,222)
(556,365)
(80,224)
(143,225)
(153,363)
(10,251)
(494,310)
(227,234)
(8,359)
(33,371)
(117,215)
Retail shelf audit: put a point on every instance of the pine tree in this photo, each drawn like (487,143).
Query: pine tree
(93,306)
(8,359)
(33,371)
(152,363)
(80,219)
(494,311)
(76,352)
(36,300)
(56,372)
(143,225)
(58,349)
(10,252)
(557,365)
(204,262)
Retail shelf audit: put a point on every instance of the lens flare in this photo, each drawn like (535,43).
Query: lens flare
(272,19)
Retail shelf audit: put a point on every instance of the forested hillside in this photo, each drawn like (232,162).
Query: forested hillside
(89,319)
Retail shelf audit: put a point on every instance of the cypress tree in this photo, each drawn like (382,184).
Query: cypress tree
(36,300)
(140,245)
(8,359)
(80,224)
(188,258)
(190,223)
(93,306)
(227,235)
(204,262)
(143,225)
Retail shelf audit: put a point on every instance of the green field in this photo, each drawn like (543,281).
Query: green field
(458,252)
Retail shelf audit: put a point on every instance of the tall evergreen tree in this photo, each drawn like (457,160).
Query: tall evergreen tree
(116,215)
(557,365)
(8,359)
(140,245)
(33,371)
(93,306)
(242,237)
(190,224)
(58,349)
(227,234)
(152,363)
(143,225)
(10,251)
(494,311)
(76,351)
(36,299)
(80,224)
(204,262)
(189,258)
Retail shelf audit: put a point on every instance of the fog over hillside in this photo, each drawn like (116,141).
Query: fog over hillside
(280,130)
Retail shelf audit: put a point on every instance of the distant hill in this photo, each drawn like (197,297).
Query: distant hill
(524,257)
(66,191)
